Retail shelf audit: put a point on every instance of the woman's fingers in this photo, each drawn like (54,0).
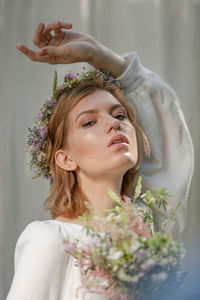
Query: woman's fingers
(56,27)
(34,55)
(39,40)
(43,34)
(25,50)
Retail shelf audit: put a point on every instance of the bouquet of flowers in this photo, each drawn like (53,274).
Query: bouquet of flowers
(125,258)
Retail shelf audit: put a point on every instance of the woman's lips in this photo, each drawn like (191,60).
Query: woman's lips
(119,145)
(120,138)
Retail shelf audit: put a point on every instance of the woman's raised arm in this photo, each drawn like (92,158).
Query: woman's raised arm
(58,45)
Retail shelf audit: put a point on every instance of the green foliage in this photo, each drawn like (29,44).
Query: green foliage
(114,197)
(138,189)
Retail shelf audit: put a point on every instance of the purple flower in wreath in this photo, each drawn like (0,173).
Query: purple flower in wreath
(37,147)
(41,117)
(51,102)
(60,88)
(110,79)
(42,131)
(36,140)
(69,75)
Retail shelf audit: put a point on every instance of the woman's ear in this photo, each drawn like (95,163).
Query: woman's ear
(64,161)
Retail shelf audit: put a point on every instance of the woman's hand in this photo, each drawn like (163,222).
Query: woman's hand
(65,47)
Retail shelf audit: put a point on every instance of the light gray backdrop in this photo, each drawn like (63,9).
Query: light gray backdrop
(166,36)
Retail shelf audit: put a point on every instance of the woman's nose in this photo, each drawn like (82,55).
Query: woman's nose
(112,123)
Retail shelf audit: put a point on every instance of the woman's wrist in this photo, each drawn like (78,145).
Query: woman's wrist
(102,57)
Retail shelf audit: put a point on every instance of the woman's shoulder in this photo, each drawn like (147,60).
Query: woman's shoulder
(41,238)
(38,230)
(49,229)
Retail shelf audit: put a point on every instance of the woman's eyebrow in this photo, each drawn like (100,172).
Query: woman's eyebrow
(95,111)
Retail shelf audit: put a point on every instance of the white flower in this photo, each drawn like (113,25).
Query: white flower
(135,246)
(117,218)
(115,268)
(152,200)
(164,251)
(143,195)
(163,261)
(109,217)
(144,239)
(114,255)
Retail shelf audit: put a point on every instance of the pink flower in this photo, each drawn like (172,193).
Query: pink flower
(70,247)
(69,75)
(95,241)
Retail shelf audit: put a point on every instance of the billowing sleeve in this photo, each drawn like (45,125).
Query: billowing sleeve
(159,114)
(39,264)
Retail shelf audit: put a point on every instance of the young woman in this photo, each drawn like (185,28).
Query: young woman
(96,141)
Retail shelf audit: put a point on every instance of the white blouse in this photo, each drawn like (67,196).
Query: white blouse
(41,270)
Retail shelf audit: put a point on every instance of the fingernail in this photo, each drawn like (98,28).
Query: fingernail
(18,45)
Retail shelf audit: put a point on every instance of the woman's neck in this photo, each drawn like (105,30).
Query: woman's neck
(96,193)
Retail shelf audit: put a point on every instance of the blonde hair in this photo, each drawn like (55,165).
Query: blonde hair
(66,199)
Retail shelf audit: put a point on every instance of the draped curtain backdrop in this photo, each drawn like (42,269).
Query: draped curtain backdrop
(166,36)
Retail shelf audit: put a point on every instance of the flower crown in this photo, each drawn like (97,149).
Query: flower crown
(37,136)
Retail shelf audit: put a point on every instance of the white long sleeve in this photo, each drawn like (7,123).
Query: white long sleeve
(39,264)
(159,114)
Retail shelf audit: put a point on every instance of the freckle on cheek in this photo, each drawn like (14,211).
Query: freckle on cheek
(99,156)
(95,157)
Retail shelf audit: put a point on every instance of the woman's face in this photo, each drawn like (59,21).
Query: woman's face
(91,132)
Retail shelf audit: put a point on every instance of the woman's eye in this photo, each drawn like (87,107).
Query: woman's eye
(123,116)
(87,124)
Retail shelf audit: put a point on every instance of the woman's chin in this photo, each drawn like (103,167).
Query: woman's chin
(125,161)
(123,166)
